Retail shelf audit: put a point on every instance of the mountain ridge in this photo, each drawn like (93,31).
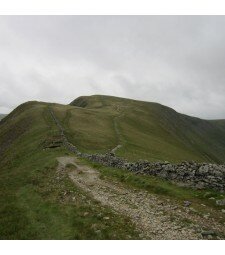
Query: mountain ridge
(145,130)
(40,200)
(167,116)
(76,101)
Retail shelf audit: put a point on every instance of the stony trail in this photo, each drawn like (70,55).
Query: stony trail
(153,217)
(120,138)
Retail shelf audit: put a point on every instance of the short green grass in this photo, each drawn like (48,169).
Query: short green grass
(37,205)
(146,130)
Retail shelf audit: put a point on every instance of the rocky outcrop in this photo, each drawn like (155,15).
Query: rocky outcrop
(196,175)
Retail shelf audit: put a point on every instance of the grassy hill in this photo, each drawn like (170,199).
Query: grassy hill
(33,200)
(145,130)
(33,205)
(2,116)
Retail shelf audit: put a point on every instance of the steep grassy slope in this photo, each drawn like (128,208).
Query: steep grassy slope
(2,116)
(35,203)
(146,130)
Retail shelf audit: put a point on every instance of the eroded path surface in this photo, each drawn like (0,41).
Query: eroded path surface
(153,217)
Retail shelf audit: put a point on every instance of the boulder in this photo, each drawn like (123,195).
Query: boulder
(220,202)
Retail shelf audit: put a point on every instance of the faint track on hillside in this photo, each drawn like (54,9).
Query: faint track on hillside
(67,118)
(120,138)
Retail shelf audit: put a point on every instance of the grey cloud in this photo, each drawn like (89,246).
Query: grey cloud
(178,61)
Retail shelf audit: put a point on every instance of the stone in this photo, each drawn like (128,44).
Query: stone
(99,216)
(220,202)
(209,233)
(206,216)
(187,203)
(98,231)
(203,169)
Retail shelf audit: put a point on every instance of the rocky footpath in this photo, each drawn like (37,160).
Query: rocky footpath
(192,174)
(197,175)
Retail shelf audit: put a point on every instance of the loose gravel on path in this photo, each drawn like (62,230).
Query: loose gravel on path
(153,217)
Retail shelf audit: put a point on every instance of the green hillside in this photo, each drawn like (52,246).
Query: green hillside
(145,130)
(2,116)
(35,204)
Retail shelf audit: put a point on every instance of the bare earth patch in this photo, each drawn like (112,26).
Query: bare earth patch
(153,217)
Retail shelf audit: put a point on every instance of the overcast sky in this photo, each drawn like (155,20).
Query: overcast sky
(178,61)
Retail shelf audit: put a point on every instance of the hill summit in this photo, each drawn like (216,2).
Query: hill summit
(136,129)
(147,130)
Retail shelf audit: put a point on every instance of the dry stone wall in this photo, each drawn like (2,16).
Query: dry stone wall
(196,175)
